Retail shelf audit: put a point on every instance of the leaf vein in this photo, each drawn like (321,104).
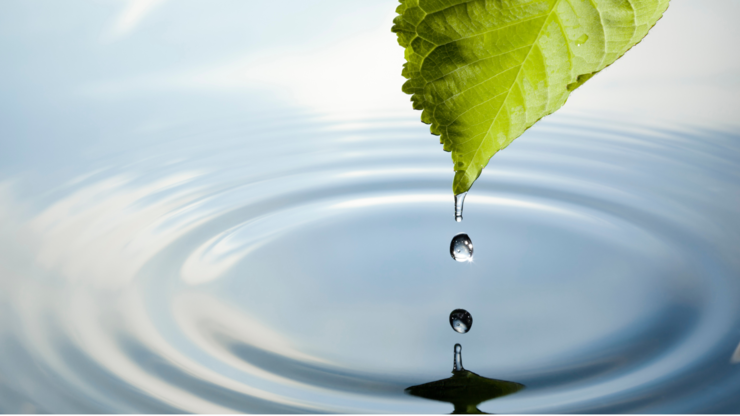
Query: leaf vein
(489,31)
(475,155)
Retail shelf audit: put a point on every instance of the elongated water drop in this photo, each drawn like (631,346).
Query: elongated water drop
(459,200)
(580,41)
(461,248)
(461,320)
(457,364)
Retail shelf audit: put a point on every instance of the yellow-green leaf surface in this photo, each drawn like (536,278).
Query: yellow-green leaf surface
(484,71)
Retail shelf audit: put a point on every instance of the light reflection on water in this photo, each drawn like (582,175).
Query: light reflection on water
(303,266)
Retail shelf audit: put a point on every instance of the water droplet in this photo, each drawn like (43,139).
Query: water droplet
(580,41)
(459,200)
(457,364)
(461,320)
(461,248)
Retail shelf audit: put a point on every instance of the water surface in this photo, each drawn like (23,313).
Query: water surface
(291,262)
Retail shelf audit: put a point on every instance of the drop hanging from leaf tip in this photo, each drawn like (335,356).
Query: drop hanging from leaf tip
(459,200)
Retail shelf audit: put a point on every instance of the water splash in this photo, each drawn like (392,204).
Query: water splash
(465,390)
(459,201)
(457,363)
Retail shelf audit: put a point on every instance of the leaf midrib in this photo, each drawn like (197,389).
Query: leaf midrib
(503,103)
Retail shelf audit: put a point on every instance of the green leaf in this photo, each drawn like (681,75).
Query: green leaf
(484,71)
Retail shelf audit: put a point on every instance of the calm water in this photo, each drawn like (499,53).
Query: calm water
(297,263)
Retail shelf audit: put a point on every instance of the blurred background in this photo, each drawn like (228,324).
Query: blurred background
(218,206)
(121,65)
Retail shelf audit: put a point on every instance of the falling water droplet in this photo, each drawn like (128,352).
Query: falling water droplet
(580,41)
(461,248)
(457,364)
(461,320)
(459,200)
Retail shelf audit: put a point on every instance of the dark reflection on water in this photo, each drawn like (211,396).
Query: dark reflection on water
(128,398)
(302,266)
(465,390)
(333,378)
(163,369)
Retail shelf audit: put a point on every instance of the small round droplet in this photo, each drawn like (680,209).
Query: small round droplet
(461,248)
(461,321)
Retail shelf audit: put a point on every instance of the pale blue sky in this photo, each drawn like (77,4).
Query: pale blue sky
(321,55)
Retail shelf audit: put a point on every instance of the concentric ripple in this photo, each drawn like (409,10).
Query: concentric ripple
(303,266)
